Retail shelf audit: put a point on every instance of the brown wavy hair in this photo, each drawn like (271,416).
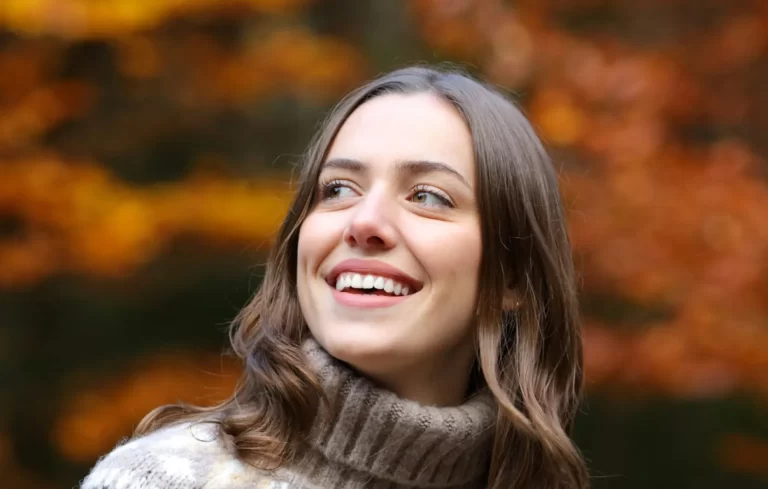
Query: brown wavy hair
(529,355)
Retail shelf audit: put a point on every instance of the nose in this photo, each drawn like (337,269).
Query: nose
(371,225)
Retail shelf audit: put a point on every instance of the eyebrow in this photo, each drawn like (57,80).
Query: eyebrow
(414,167)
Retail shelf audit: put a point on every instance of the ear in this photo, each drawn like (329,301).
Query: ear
(511,300)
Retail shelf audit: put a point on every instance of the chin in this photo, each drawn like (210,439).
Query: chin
(367,352)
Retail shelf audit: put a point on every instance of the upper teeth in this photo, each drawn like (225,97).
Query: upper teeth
(358,281)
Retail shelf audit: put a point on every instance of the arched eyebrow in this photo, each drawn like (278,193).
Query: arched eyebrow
(413,167)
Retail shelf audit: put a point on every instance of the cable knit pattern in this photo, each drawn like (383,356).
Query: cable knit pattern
(368,437)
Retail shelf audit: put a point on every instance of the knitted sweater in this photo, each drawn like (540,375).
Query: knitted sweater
(376,440)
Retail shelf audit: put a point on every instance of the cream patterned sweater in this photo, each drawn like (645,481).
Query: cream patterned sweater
(376,440)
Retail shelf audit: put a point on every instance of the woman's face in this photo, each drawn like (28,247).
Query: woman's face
(389,257)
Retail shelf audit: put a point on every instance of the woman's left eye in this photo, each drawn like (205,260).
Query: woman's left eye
(430,198)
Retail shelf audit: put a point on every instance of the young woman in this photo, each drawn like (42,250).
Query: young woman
(418,323)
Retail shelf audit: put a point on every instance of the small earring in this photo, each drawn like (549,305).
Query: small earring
(514,305)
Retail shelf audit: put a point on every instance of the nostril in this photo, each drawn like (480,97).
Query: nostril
(370,234)
(365,240)
(374,241)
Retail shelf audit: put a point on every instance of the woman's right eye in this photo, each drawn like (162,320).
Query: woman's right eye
(336,190)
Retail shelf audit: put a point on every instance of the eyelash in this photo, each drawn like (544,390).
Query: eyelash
(442,196)
(326,187)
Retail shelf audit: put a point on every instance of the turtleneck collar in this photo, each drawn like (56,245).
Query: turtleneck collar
(369,437)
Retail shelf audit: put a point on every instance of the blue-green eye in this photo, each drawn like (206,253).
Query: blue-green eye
(429,197)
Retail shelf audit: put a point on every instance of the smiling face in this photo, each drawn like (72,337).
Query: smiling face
(389,256)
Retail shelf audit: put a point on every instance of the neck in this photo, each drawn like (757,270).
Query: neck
(433,384)
(366,436)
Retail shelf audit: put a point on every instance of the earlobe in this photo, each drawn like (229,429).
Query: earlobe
(512,300)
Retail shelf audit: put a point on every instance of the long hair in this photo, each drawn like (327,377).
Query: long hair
(530,356)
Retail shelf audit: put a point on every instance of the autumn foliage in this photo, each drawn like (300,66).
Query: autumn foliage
(660,216)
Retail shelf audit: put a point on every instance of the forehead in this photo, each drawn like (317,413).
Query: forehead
(396,127)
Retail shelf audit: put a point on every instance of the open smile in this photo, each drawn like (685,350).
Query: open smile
(370,283)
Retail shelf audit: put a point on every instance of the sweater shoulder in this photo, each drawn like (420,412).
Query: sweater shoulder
(182,456)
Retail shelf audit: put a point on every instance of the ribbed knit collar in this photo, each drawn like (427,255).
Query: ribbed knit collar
(372,438)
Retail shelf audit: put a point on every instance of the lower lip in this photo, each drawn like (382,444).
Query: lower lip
(367,300)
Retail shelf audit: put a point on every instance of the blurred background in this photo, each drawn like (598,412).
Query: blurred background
(146,155)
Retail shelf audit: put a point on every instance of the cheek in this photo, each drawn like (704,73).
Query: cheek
(464,264)
(451,255)
(317,237)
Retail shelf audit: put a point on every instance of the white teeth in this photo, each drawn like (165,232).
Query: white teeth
(389,286)
(359,281)
(368,282)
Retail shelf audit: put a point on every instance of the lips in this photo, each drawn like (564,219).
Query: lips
(373,267)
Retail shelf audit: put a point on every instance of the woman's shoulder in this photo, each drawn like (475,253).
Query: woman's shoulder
(181,456)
